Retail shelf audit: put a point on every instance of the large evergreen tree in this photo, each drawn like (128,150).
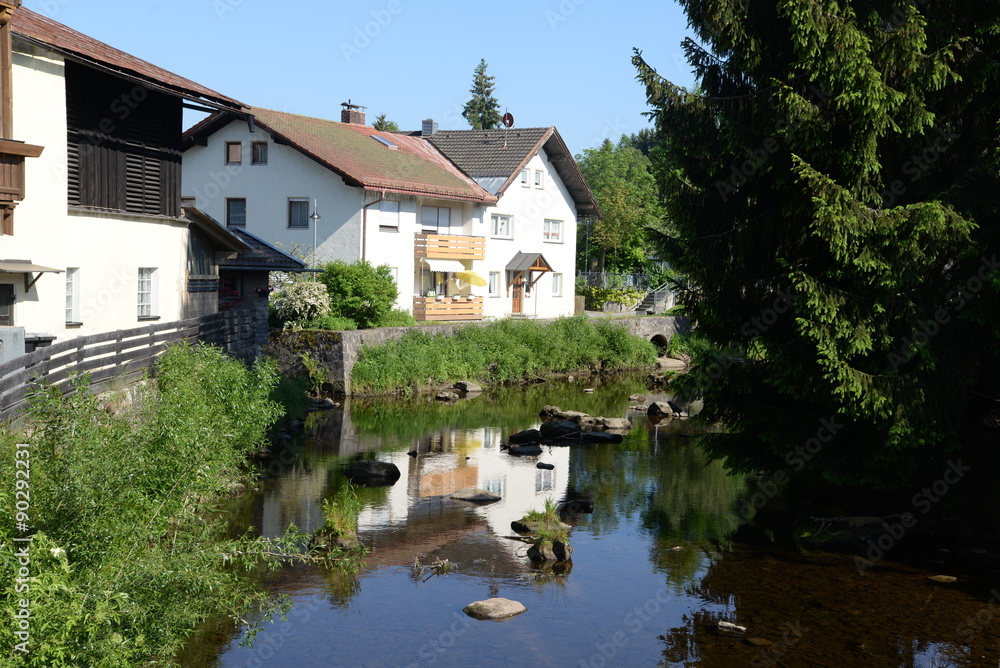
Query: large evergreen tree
(835,199)
(483,110)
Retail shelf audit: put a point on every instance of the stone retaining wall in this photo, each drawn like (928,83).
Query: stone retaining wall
(337,352)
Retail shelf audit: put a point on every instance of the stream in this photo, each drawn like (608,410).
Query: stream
(662,558)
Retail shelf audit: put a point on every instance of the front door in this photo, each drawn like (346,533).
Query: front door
(6,305)
(518,293)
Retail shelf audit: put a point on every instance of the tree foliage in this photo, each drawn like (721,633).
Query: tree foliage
(383,125)
(482,111)
(835,199)
(359,291)
(622,182)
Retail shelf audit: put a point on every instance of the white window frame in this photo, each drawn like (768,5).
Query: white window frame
(539,179)
(557,285)
(388,215)
(72,295)
(494,284)
(436,229)
(525,178)
(288,221)
(548,236)
(149,285)
(495,228)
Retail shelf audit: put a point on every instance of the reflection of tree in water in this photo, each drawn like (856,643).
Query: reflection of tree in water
(684,500)
(818,610)
(342,583)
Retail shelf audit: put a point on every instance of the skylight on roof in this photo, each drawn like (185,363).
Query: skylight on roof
(385,142)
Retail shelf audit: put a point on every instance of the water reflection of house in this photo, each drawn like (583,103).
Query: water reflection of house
(453,460)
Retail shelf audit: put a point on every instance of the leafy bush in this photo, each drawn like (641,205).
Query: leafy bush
(397,317)
(503,351)
(302,300)
(333,323)
(597,297)
(128,557)
(360,291)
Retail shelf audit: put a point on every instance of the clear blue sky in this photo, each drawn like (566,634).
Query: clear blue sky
(556,62)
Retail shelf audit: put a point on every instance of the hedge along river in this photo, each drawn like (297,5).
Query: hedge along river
(666,553)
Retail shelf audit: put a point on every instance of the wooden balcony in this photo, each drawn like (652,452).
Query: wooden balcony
(449,247)
(429,308)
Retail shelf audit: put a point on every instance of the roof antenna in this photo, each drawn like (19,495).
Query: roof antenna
(508,123)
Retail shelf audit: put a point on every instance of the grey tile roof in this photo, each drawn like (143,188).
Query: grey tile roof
(481,153)
(261,256)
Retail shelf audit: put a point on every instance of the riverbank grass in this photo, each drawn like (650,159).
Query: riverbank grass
(505,351)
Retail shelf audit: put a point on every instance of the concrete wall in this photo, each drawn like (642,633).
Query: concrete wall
(337,352)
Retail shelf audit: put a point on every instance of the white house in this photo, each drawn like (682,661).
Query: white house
(403,200)
(90,155)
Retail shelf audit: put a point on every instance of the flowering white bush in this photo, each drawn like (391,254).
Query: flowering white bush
(302,300)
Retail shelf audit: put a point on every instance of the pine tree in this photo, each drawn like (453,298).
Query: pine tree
(835,197)
(482,111)
(383,125)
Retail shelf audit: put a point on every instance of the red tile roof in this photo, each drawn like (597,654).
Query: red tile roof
(409,166)
(37,28)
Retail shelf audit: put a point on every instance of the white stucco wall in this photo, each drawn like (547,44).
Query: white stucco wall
(107,248)
(529,207)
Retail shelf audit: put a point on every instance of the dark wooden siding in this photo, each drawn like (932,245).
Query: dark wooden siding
(124,144)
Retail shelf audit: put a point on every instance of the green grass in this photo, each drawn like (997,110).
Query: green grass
(505,351)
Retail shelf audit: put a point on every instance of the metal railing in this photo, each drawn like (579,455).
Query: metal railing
(605,280)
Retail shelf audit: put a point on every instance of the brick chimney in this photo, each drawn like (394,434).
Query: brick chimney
(352,113)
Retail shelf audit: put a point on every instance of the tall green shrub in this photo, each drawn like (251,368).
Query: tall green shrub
(359,291)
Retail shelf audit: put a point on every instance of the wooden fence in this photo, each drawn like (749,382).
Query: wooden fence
(116,356)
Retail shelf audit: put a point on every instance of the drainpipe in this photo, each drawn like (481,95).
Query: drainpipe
(364,226)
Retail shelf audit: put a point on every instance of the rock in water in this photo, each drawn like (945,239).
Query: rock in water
(447,396)
(658,408)
(527,436)
(616,423)
(544,465)
(371,470)
(550,550)
(550,411)
(943,579)
(468,387)
(637,397)
(524,450)
(559,428)
(494,609)
(474,495)
(730,628)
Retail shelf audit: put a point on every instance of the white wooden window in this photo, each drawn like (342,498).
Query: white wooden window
(525,176)
(388,216)
(500,226)
(435,219)
(72,295)
(552,231)
(494,284)
(147,300)
(298,213)
(539,179)
(557,285)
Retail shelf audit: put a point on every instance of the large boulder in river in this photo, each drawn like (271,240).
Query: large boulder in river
(558,428)
(373,472)
(474,495)
(494,609)
(616,423)
(468,387)
(526,436)
(663,408)
(550,550)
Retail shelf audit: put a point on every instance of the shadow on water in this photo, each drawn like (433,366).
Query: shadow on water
(660,555)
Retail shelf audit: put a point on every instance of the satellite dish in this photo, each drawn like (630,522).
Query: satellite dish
(508,120)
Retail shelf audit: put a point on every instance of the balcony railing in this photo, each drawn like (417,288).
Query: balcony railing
(449,247)
(448,308)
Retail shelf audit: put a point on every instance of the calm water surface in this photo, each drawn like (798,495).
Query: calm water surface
(661,559)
